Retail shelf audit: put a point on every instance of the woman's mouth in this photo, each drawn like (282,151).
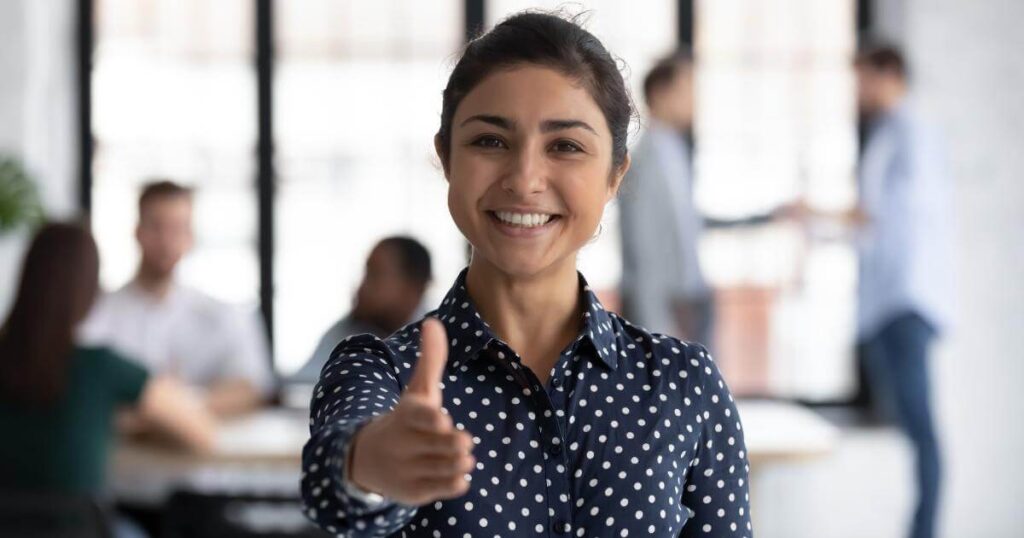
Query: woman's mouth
(520,224)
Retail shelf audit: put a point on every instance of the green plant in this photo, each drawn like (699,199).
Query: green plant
(19,201)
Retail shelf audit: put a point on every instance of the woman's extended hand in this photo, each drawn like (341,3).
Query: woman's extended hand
(414,454)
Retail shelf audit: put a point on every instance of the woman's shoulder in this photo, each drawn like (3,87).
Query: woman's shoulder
(96,355)
(683,358)
(396,352)
(100,366)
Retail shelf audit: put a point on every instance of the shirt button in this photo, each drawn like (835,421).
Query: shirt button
(555,450)
(560,527)
(556,381)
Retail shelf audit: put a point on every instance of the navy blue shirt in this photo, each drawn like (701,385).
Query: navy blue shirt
(635,434)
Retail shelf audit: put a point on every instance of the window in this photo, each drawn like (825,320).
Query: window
(174,96)
(357,101)
(775,120)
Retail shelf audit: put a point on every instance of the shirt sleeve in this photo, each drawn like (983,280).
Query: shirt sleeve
(717,491)
(358,383)
(125,378)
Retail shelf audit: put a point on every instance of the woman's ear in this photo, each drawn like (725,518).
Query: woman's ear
(617,177)
(441,154)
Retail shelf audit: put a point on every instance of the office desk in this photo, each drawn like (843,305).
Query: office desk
(784,432)
(258,453)
(261,453)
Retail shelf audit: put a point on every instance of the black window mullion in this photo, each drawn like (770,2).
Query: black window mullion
(265,160)
(684,24)
(473,18)
(84,39)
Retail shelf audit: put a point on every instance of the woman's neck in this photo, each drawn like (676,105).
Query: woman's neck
(537,316)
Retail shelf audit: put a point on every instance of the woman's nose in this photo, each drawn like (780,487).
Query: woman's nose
(527,173)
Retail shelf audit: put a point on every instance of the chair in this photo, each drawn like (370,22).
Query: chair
(39,514)
(201,515)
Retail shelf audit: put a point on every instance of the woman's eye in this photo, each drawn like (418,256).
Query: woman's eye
(489,142)
(566,147)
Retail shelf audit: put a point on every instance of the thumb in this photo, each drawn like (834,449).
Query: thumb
(426,378)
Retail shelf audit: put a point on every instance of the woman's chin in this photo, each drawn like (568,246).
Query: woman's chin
(520,265)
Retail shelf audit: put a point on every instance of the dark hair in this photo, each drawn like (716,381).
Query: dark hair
(59,282)
(552,41)
(162,188)
(665,71)
(883,57)
(413,257)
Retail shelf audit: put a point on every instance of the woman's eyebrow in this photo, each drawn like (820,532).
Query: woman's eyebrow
(497,121)
(548,126)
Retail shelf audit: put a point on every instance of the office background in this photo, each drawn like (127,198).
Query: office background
(263,106)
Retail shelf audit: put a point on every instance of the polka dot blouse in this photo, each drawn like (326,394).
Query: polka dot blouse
(635,434)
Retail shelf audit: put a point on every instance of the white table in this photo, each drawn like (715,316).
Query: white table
(262,452)
(780,431)
(258,453)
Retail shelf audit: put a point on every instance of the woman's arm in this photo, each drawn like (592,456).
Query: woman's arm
(402,445)
(232,397)
(717,484)
(171,408)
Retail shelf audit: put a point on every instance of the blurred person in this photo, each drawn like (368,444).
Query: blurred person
(172,328)
(663,287)
(390,295)
(57,399)
(903,222)
(905,257)
(521,403)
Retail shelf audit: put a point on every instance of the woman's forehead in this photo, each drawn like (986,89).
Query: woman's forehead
(528,96)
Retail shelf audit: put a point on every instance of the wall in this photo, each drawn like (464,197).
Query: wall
(37,111)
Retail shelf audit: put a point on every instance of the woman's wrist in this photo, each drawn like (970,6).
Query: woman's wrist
(356,480)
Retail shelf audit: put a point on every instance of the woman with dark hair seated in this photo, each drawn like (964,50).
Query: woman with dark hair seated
(58,400)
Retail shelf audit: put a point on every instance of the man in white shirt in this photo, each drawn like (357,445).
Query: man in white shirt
(173,329)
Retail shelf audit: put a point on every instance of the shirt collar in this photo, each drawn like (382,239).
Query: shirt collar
(468,333)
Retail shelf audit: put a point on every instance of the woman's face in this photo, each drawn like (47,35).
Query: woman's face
(530,169)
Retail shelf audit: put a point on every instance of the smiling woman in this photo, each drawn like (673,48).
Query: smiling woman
(521,405)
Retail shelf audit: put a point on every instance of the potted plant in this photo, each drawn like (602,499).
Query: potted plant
(19,201)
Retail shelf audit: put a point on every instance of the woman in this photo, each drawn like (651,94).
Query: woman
(520,406)
(57,400)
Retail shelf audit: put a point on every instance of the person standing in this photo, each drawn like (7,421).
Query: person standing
(905,257)
(521,405)
(663,287)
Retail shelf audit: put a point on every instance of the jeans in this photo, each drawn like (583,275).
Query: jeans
(896,363)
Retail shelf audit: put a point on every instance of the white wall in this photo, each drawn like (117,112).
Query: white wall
(37,111)
(970,78)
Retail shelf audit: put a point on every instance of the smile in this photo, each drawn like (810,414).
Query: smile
(525,220)
(522,224)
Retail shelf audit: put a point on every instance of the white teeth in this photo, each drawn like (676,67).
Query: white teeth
(526,220)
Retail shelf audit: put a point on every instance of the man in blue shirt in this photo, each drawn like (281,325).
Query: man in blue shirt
(904,227)
(905,260)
